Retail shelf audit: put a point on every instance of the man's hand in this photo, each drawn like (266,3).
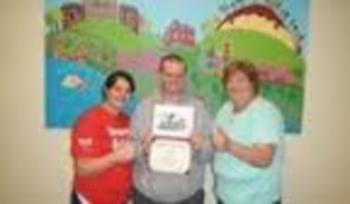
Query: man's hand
(220,140)
(197,141)
(147,142)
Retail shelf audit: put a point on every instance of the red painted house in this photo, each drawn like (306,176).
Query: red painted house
(72,13)
(179,33)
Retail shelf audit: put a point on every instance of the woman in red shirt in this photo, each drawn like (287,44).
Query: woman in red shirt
(102,149)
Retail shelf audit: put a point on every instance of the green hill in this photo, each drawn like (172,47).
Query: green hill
(101,40)
(256,47)
(115,34)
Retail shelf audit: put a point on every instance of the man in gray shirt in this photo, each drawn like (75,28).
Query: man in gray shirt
(154,187)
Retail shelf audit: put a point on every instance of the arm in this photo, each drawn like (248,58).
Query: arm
(201,139)
(140,129)
(266,129)
(92,166)
(257,155)
(86,147)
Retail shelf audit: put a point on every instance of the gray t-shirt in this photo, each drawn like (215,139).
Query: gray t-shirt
(170,187)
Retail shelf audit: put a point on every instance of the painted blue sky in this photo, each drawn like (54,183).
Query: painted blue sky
(193,12)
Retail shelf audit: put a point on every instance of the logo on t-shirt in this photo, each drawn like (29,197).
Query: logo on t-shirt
(118,132)
(85,141)
(118,135)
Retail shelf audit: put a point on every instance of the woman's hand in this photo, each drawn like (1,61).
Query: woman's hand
(257,155)
(124,151)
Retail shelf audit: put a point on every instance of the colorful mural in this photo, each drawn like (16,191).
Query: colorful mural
(86,39)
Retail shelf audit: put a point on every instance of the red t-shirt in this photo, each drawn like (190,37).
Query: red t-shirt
(93,136)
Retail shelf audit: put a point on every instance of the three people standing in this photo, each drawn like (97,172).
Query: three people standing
(111,154)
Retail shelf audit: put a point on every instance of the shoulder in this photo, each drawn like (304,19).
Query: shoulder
(147,101)
(143,108)
(89,118)
(196,102)
(226,107)
(90,114)
(265,108)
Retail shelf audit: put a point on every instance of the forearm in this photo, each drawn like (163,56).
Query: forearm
(139,152)
(93,166)
(205,153)
(257,155)
(205,128)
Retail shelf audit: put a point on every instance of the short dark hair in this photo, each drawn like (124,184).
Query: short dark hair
(173,58)
(114,76)
(245,67)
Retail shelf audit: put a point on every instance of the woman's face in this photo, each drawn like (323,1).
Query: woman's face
(239,86)
(118,94)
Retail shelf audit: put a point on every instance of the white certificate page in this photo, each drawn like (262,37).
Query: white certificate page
(170,156)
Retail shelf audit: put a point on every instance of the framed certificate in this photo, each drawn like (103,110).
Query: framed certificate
(173,121)
(170,156)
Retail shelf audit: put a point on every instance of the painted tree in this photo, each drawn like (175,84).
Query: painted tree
(53,20)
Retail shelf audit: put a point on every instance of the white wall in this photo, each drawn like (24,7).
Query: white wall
(33,162)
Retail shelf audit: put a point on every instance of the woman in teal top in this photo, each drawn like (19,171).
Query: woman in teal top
(248,142)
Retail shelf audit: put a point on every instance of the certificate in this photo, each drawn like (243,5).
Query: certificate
(170,156)
(173,121)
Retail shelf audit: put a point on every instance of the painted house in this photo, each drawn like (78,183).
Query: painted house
(101,9)
(179,33)
(110,9)
(71,14)
(130,17)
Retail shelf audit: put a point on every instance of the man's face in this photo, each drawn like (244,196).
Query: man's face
(172,77)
